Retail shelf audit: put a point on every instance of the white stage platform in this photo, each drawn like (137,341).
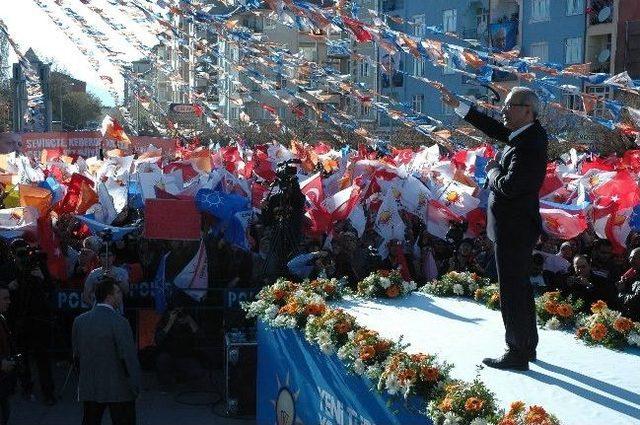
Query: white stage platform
(581,385)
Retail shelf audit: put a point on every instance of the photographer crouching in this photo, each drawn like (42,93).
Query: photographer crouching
(8,358)
(32,317)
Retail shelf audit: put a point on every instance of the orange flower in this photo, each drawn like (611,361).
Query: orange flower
(473,404)
(516,407)
(367,352)
(495,297)
(290,308)
(478,294)
(315,283)
(384,273)
(564,310)
(382,345)
(475,277)
(507,421)
(445,404)
(364,334)
(430,374)
(536,415)
(342,327)
(417,358)
(393,291)
(623,325)
(279,294)
(329,288)
(406,375)
(314,309)
(598,306)
(551,307)
(598,331)
(581,331)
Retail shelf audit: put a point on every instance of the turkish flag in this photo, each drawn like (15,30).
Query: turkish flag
(551,181)
(312,189)
(621,191)
(342,203)
(320,221)
(561,224)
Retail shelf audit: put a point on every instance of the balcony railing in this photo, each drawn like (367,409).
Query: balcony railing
(600,12)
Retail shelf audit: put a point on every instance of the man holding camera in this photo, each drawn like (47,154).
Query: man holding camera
(7,359)
(104,349)
(32,318)
(513,214)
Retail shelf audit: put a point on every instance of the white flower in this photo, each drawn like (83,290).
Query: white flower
(451,418)
(285,321)
(392,384)
(553,324)
(359,367)
(373,372)
(472,289)
(478,421)
(634,338)
(343,352)
(458,289)
(406,388)
(271,312)
(385,282)
(327,348)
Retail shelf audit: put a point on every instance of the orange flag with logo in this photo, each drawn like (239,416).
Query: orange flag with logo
(37,197)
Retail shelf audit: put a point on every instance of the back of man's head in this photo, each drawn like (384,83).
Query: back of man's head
(105,287)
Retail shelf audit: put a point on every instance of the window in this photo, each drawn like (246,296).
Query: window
(269,24)
(416,103)
(309,53)
(575,7)
(235,114)
(539,50)
(573,101)
(364,68)
(420,25)
(540,10)
(450,20)
(601,92)
(573,50)
(448,68)
(418,67)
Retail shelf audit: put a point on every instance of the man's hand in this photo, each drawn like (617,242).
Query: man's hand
(447,97)
(491,165)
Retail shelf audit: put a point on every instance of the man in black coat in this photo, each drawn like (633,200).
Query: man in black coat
(513,214)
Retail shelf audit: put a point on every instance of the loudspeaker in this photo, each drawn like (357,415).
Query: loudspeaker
(241,359)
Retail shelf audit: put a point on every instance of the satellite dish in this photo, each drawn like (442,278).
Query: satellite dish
(604,55)
(604,14)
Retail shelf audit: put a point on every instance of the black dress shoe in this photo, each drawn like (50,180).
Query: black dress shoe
(510,360)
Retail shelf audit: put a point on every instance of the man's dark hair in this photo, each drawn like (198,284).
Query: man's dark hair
(104,288)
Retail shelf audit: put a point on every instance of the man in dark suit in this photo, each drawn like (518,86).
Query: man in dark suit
(104,348)
(513,213)
(7,364)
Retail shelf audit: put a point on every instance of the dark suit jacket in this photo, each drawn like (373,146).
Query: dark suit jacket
(513,212)
(103,344)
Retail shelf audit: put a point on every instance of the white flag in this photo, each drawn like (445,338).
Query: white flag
(194,278)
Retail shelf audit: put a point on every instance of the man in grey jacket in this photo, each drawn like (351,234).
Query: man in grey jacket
(104,348)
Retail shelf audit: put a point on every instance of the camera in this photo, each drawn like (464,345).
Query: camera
(456,231)
(31,256)
(286,170)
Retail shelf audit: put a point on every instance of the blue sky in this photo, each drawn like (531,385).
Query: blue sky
(30,26)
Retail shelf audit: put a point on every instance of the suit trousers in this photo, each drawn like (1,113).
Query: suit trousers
(513,264)
(122,413)
(5,410)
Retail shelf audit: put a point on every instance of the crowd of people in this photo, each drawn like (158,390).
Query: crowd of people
(585,268)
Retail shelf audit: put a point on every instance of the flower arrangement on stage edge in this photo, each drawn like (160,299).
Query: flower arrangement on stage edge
(464,403)
(385,284)
(519,414)
(489,296)
(331,330)
(287,304)
(461,284)
(413,374)
(555,312)
(365,352)
(608,328)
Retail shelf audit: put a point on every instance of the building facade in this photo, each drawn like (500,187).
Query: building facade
(466,18)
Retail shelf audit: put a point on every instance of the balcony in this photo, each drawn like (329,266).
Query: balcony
(600,12)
